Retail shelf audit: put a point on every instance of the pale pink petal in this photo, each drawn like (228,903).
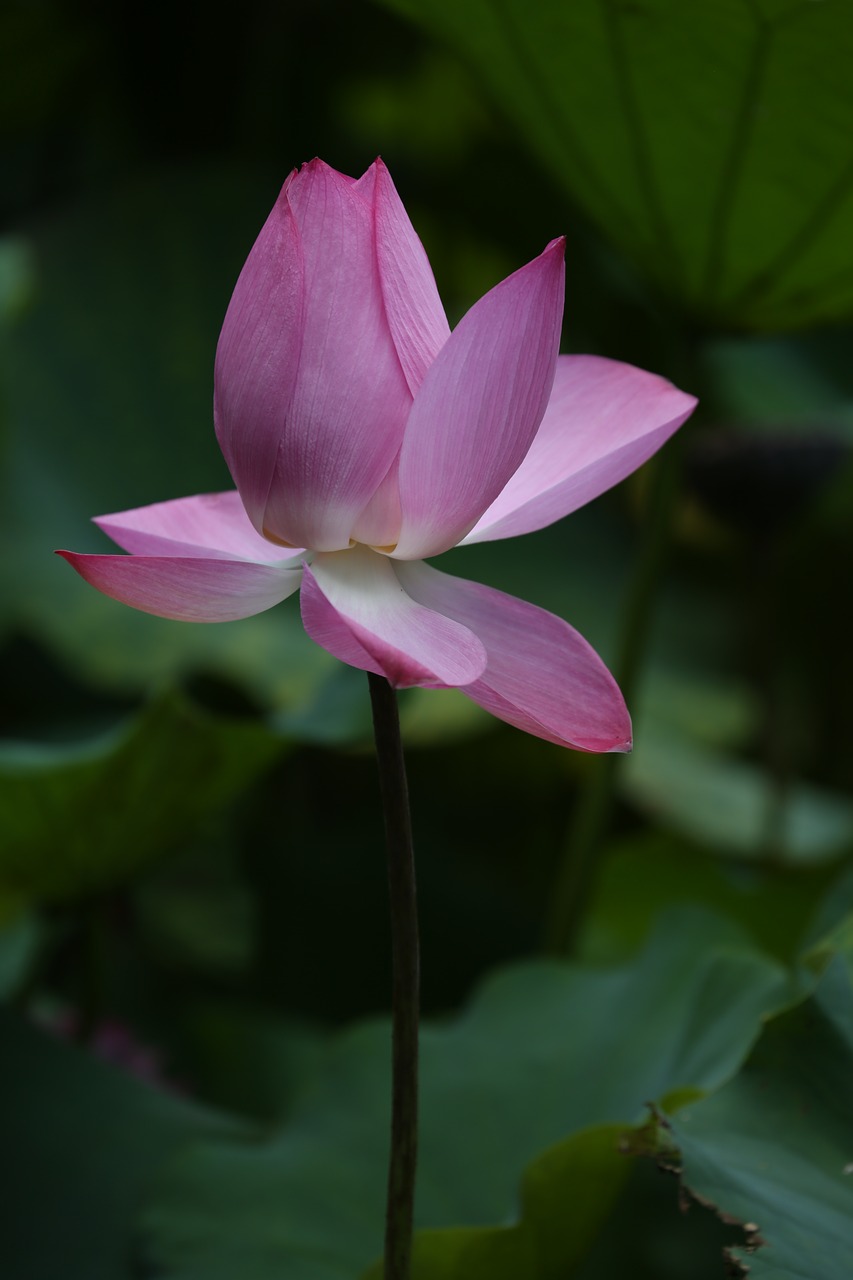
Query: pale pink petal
(416,317)
(479,407)
(379,523)
(343,423)
(189,589)
(258,355)
(210,524)
(604,419)
(353,605)
(541,675)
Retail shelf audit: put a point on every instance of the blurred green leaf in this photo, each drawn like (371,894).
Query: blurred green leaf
(19,940)
(834,913)
(247,1059)
(709,141)
(650,1237)
(197,913)
(644,876)
(715,708)
(586,1171)
(85,1141)
(837,942)
(16,277)
(544,1052)
(773,1147)
(793,384)
(80,817)
(732,806)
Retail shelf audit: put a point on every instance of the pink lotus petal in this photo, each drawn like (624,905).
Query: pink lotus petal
(258,355)
(541,676)
(343,421)
(189,589)
(353,605)
(214,525)
(604,419)
(379,523)
(479,407)
(416,317)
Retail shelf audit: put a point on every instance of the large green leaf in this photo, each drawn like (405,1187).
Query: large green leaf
(545,1052)
(79,817)
(710,141)
(773,1148)
(82,1141)
(586,1171)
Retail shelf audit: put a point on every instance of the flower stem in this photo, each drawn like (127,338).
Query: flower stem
(405,981)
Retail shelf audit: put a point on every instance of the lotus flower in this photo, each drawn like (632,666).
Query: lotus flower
(365,438)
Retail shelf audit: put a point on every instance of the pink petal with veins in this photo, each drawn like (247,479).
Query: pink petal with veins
(189,589)
(479,406)
(344,414)
(415,315)
(209,524)
(541,675)
(258,356)
(604,419)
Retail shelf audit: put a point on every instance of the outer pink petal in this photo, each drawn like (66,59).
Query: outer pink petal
(604,419)
(190,589)
(415,315)
(479,407)
(210,524)
(541,676)
(353,605)
(343,423)
(258,355)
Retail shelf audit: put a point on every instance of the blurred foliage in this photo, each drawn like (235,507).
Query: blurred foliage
(772,1147)
(87,1140)
(500,1085)
(191,881)
(726,203)
(112,804)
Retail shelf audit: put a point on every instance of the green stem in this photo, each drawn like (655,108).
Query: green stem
(405,982)
(576,873)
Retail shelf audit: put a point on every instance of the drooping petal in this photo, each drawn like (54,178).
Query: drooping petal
(415,315)
(479,407)
(258,355)
(541,675)
(604,419)
(354,606)
(343,421)
(188,588)
(214,525)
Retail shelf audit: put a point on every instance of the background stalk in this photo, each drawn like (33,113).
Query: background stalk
(405,981)
(586,833)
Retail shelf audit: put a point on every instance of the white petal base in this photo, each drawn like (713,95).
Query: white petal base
(354,605)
